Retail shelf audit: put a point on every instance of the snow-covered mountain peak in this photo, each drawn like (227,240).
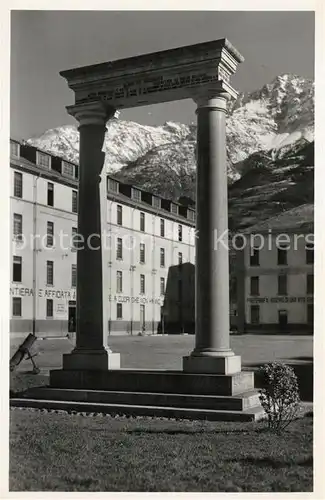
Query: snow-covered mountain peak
(278,115)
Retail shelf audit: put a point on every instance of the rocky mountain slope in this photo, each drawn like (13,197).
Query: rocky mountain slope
(266,129)
(272,183)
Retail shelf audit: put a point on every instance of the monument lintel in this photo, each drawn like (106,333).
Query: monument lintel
(157,77)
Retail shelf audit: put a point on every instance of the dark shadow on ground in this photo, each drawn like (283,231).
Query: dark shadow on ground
(172,432)
(303,367)
(287,333)
(270,462)
(256,428)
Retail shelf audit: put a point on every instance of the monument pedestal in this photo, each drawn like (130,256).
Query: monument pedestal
(219,365)
(153,381)
(156,393)
(87,359)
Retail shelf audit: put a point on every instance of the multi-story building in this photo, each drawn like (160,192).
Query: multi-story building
(144,238)
(273,281)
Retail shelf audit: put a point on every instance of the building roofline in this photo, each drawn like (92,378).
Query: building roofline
(110,176)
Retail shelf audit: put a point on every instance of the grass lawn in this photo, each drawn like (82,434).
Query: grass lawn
(56,451)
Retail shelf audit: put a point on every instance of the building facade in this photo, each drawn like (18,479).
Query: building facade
(144,238)
(274,275)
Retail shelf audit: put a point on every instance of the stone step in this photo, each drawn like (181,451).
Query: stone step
(247,415)
(162,381)
(239,402)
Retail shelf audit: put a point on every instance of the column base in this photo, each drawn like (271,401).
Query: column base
(84,359)
(218,365)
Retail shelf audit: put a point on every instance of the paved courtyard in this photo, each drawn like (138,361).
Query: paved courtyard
(165,352)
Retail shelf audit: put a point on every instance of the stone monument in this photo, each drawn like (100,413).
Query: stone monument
(201,72)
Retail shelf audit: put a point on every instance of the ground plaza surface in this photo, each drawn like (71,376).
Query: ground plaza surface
(165,352)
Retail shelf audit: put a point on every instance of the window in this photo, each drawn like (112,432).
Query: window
(162,257)
(50,194)
(142,316)
(255,257)
(74,238)
(67,169)
(142,221)
(174,208)
(18,226)
(255,315)
(119,311)
(50,234)
(162,286)
(119,249)
(282,284)
(162,228)
(233,289)
(119,283)
(136,194)
(310,284)
(73,275)
(282,256)
(142,253)
(49,308)
(18,184)
(255,285)
(112,185)
(156,202)
(74,201)
(180,258)
(191,214)
(142,284)
(50,272)
(16,306)
(16,269)
(180,232)
(14,149)
(119,215)
(309,256)
(43,160)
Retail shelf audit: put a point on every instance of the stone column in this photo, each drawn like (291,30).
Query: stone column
(212,353)
(91,351)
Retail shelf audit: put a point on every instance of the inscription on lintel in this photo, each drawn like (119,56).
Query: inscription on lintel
(152,86)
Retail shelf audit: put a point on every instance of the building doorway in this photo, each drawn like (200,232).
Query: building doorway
(283,319)
(72,316)
(310,314)
(142,318)
(255,315)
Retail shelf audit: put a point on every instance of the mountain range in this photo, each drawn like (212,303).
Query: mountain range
(270,135)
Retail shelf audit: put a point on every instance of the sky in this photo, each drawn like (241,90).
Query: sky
(43,43)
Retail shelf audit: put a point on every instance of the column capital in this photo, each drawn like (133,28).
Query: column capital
(217,102)
(91,113)
(214,96)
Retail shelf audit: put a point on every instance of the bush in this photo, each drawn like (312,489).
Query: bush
(280,395)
